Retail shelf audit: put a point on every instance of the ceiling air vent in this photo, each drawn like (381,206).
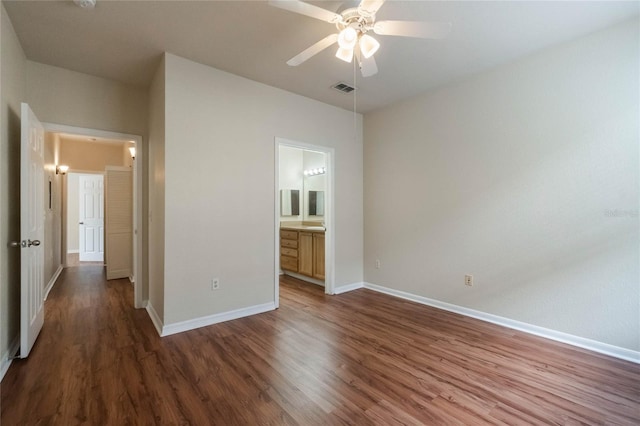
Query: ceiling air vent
(343,87)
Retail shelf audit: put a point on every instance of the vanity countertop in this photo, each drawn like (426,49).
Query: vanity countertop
(300,227)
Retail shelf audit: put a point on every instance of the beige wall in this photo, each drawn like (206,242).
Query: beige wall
(61,96)
(12,93)
(526,177)
(220,176)
(90,156)
(156,191)
(53,212)
(73,212)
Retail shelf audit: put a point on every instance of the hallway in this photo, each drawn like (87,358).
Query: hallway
(358,358)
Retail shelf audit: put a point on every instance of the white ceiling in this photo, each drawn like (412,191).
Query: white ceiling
(123,40)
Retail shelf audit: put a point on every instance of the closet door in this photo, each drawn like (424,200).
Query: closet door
(119,222)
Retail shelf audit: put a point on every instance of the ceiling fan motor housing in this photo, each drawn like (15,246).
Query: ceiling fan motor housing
(356,19)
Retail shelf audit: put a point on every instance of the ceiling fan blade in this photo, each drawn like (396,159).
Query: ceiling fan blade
(370,6)
(433,30)
(368,66)
(306,9)
(313,50)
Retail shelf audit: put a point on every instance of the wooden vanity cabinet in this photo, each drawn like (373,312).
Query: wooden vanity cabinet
(302,252)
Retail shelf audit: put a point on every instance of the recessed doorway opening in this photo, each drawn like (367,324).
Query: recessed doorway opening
(304,211)
(126,157)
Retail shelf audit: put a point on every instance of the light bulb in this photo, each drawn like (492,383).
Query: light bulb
(345,54)
(347,38)
(306,172)
(368,45)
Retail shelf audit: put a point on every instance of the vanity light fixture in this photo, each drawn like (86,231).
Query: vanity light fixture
(62,169)
(314,172)
(132,151)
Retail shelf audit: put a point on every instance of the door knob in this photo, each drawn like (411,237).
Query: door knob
(81,223)
(24,243)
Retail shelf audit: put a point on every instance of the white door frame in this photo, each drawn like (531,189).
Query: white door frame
(329,248)
(137,195)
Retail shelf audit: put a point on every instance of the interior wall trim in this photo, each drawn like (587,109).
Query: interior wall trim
(581,342)
(7,357)
(52,281)
(348,287)
(179,327)
(155,318)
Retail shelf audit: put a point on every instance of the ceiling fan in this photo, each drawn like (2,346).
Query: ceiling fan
(353,25)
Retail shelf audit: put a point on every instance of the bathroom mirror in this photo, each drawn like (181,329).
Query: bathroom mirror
(316,203)
(289,202)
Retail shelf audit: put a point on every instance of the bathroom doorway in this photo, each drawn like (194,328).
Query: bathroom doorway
(304,211)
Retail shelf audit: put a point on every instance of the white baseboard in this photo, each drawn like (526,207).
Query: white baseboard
(7,357)
(155,318)
(179,327)
(73,251)
(581,342)
(117,274)
(305,278)
(52,281)
(348,287)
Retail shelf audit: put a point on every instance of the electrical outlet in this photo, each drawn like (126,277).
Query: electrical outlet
(377,263)
(215,283)
(468,280)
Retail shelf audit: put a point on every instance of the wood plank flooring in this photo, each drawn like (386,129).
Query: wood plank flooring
(358,358)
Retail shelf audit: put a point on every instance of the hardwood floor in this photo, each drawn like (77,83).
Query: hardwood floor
(358,358)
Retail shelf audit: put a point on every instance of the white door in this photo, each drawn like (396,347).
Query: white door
(31,230)
(91,234)
(119,219)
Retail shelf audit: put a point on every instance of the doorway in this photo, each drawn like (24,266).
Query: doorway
(311,206)
(135,157)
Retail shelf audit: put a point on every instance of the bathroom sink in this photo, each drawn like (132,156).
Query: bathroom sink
(315,228)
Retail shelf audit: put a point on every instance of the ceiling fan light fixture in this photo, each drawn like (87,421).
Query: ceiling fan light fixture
(368,45)
(348,38)
(85,4)
(345,54)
